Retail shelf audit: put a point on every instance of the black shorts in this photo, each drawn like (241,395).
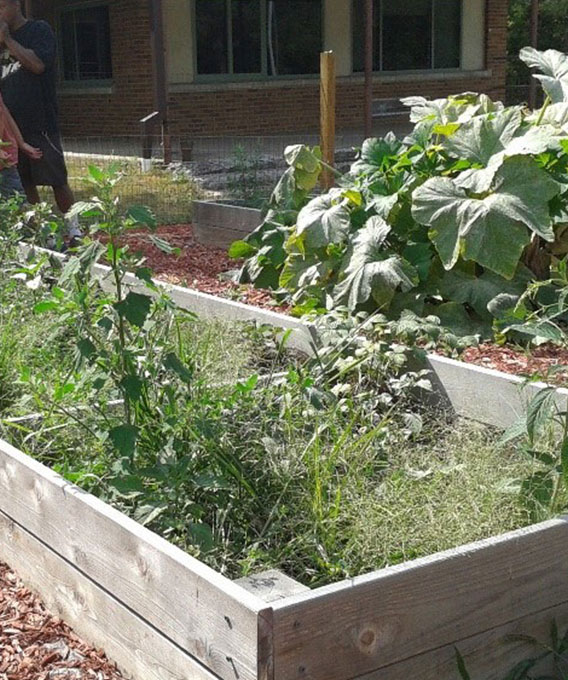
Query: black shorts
(50,169)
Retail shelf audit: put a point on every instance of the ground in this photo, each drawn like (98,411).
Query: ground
(198,266)
(35,645)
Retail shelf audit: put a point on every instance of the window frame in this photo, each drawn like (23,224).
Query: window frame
(431,69)
(86,83)
(263,76)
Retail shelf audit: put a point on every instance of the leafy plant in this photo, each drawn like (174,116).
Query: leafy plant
(542,435)
(244,184)
(129,363)
(470,205)
(528,668)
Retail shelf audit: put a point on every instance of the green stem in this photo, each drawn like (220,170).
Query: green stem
(121,328)
(547,103)
(335,171)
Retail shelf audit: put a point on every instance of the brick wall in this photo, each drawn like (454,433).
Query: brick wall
(255,109)
(131,98)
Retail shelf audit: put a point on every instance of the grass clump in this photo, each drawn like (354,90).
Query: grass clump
(169,197)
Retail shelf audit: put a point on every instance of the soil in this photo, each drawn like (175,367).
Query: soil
(35,645)
(198,266)
(540,361)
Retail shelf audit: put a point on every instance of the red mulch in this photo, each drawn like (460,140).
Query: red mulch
(197,266)
(37,646)
(510,360)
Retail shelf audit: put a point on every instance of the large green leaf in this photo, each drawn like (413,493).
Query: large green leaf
(325,220)
(301,272)
(530,141)
(124,439)
(300,156)
(453,316)
(306,164)
(376,153)
(135,308)
(465,287)
(484,136)
(494,230)
(459,108)
(372,272)
(553,67)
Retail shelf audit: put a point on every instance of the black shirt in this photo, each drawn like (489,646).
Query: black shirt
(31,98)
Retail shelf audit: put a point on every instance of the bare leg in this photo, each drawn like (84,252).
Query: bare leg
(31,193)
(64,197)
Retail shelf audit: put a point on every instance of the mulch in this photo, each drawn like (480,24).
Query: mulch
(197,266)
(35,645)
(538,362)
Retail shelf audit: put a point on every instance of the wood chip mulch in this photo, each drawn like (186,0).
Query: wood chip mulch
(198,266)
(539,361)
(37,646)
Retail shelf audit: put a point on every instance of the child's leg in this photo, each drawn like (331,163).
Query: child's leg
(10,182)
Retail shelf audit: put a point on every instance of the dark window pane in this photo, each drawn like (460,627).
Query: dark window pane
(246,36)
(86,44)
(68,46)
(447,33)
(407,35)
(359,16)
(294,36)
(211,22)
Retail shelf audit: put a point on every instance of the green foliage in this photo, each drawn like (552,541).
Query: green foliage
(553,653)
(551,35)
(471,205)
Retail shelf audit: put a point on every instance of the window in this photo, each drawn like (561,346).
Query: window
(410,35)
(85,40)
(258,37)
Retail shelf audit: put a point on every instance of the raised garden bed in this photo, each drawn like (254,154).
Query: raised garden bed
(219,223)
(160,613)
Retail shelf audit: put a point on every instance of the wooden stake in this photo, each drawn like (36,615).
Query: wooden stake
(534,43)
(368,68)
(327,115)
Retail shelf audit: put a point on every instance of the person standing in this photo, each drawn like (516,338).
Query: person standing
(12,142)
(27,85)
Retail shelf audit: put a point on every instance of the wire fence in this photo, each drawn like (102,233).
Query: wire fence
(240,168)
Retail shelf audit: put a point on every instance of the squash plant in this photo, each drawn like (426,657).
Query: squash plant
(472,204)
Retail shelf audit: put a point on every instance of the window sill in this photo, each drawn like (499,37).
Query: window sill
(386,77)
(412,76)
(73,88)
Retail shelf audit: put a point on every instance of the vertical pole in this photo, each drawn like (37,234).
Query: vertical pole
(368,68)
(160,76)
(28,9)
(327,115)
(534,43)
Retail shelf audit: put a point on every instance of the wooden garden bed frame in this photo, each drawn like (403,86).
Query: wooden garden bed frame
(163,615)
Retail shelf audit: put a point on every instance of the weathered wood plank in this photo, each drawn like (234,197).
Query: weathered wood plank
(138,649)
(272,585)
(204,613)
(391,615)
(489,655)
(492,397)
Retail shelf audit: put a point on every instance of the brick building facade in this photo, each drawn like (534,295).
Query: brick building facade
(112,103)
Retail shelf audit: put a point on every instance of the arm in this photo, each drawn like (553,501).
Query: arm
(29,150)
(27,58)
(33,60)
